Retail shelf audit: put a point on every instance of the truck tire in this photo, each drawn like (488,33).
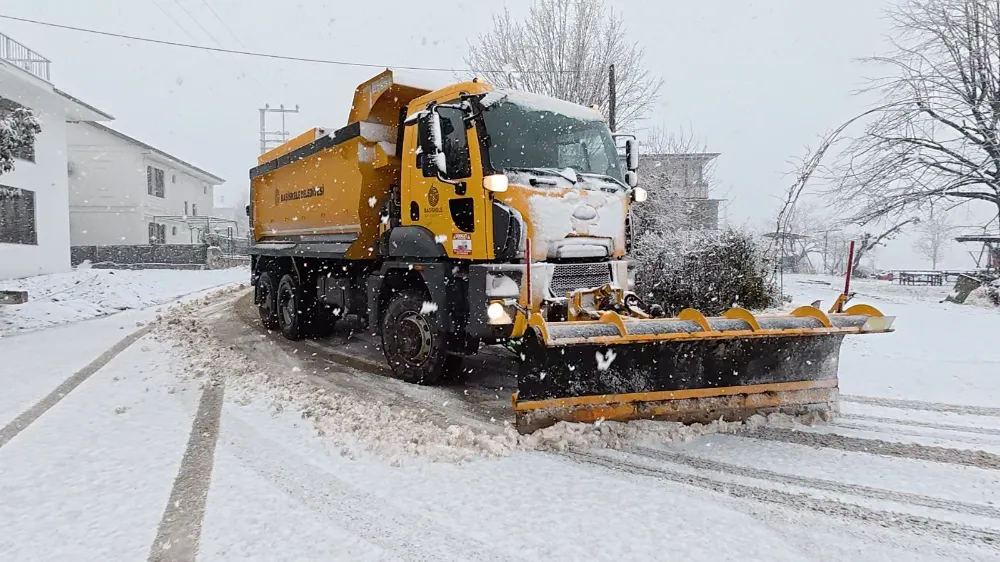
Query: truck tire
(289,308)
(267,291)
(416,351)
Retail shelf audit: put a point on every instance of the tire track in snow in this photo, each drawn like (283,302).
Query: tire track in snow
(21,422)
(921,405)
(179,533)
(954,437)
(825,507)
(918,423)
(978,459)
(817,483)
(402,532)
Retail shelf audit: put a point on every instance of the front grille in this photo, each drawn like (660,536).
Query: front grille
(572,276)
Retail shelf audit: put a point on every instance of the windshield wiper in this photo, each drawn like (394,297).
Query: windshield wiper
(604,177)
(548,172)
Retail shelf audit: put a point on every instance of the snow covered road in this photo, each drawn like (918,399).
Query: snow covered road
(305,459)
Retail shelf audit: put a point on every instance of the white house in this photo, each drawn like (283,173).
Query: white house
(34,208)
(126,192)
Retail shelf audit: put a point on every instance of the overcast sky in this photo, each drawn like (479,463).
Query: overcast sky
(757,80)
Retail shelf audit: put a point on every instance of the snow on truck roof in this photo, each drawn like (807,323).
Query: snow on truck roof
(430,82)
(543,103)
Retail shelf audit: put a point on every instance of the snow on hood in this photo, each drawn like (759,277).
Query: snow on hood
(581,213)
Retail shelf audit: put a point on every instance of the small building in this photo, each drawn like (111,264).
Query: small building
(124,192)
(683,176)
(34,209)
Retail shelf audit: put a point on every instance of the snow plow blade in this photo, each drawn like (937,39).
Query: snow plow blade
(688,369)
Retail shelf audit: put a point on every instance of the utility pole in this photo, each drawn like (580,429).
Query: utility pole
(611,97)
(278,136)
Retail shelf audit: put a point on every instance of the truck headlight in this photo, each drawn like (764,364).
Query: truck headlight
(498,314)
(638,194)
(496,183)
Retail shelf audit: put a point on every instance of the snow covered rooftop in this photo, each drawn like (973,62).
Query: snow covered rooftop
(191,167)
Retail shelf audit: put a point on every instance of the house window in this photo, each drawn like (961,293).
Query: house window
(21,151)
(185,208)
(157,233)
(17,216)
(194,209)
(173,178)
(155,180)
(204,189)
(173,230)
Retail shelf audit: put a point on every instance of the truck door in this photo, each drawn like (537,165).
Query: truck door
(454,212)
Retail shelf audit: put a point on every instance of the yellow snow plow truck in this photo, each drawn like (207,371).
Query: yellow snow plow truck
(455,217)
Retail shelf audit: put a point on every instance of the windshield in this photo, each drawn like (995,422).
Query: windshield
(524,136)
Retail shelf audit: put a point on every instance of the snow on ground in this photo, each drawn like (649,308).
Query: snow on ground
(89,480)
(312,468)
(87,293)
(940,351)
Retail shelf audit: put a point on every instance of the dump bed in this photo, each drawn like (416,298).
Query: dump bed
(328,186)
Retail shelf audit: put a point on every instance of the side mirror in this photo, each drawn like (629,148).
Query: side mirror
(632,154)
(248,210)
(631,178)
(432,143)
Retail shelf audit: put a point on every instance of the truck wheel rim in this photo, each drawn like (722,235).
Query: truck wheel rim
(287,307)
(265,300)
(415,337)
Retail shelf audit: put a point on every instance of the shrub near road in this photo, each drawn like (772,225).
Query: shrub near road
(710,272)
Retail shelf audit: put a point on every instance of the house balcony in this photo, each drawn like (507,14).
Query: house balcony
(24,58)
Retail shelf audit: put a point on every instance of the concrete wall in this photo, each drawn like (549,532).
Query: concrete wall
(174,254)
(46,177)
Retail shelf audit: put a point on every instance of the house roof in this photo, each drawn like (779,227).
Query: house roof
(82,110)
(212,177)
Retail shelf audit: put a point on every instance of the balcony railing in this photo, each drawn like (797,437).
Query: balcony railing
(23,57)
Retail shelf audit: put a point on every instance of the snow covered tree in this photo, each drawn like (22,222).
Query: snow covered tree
(563,49)
(709,271)
(933,236)
(18,128)
(935,134)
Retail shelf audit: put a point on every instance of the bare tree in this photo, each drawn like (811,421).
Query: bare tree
(17,132)
(935,135)
(563,49)
(934,235)
(869,241)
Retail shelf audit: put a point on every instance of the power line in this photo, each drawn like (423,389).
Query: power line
(233,35)
(274,56)
(173,19)
(198,23)
(216,41)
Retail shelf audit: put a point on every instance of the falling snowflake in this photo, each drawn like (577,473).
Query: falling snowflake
(428,307)
(371,201)
(604,361)
(441,238)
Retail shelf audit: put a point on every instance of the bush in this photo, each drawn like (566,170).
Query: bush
(710,272)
